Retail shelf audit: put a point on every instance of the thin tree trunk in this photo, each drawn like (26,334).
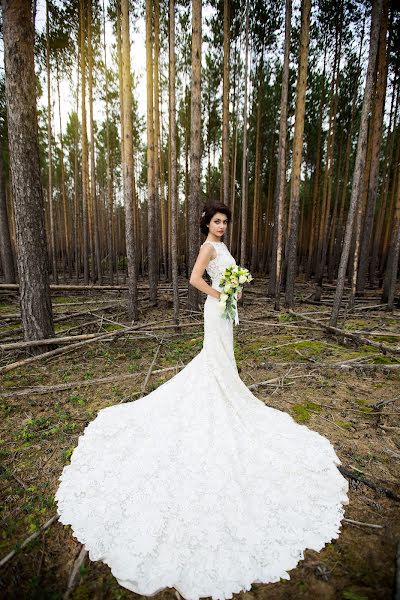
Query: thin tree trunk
(6,250)
(66,212)
(156,155)
(225,106)
(53,248)
(195,149)
(93,193)
(173,160)
(279,200)
(377,121)
(360,160)
(127,163)
(257,176)
(151,213)
(243,213)
(110,200)
(297,153)
(85,174)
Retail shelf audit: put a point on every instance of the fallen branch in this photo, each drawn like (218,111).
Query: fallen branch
(142,392)
(4,560)
(74,575)
(60,387)
(378,488)
(373,525)
(337,365)
(358,338)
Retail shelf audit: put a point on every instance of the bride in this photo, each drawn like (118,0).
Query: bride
(199,485)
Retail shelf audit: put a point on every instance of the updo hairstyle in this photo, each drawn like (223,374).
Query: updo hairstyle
(209,210)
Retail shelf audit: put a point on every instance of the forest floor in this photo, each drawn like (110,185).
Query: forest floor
(356,408)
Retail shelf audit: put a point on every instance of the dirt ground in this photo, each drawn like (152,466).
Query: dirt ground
(356,408)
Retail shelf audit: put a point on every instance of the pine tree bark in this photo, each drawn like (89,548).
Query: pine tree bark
(157,208)
(360,160)
(328,174)
(35,301)
(195,150)
(85,171)
(127,163)
(279,200)
(151,212)
(173,160)
(53,249)
(93,194)
(225,106)
(65,204)
(243,235)
(110,200)
(297,154)
(257,176)
(377,122)
(6,250)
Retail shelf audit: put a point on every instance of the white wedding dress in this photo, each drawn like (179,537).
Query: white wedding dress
(199,486)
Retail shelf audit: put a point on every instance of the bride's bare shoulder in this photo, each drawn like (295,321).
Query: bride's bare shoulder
(207,250)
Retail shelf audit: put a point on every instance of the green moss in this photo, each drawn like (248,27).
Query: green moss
(302,412)
(344,424)
(353,594)
(363,406)
(384,360)
(77,400)
(286,317)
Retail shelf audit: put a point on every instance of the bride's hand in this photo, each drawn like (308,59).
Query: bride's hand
(239,295)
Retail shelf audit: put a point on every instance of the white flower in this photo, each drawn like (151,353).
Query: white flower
(227,287)
(242,278)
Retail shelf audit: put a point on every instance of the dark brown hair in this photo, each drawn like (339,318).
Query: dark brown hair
(209,210)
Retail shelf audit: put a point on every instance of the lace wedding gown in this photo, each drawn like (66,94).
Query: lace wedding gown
(198,485)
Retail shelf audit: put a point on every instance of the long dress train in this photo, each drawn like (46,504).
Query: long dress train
(198,485)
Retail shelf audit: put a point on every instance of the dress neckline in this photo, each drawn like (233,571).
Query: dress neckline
(213,242)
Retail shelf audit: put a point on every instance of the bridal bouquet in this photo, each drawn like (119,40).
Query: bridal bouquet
(232,283)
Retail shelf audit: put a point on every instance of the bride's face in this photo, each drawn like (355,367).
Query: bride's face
(218,224)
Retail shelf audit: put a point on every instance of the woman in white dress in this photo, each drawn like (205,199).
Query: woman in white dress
(199,486)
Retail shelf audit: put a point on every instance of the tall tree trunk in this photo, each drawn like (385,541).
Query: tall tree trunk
(94,199)
(6,250)
(313,236)
(151,212)
(35,301)
(243,241)
(127,163)
(376,123)
(53,248)
(110,200)
(156,155)
(85,173)
(385,178)
(360,160)
(279,200)
(257,176)
(195,149)
(225,106)
(393,258)
(66,212)
(297,153)
(173,160)
(328,175)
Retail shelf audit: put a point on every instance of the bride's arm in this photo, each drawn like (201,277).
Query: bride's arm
(196,277)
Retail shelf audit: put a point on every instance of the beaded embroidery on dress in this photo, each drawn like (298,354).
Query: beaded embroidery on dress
(199,485)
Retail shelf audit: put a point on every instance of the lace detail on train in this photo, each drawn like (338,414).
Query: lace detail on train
(198,485)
